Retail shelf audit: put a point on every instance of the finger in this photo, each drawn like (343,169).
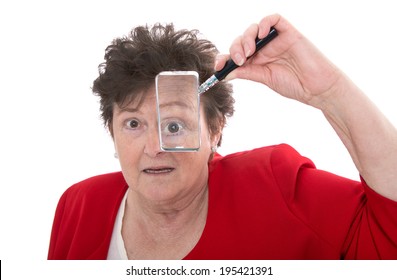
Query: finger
(237,51)
(231,76)
(220,61)
(244,45)
(248,39)
(266,23)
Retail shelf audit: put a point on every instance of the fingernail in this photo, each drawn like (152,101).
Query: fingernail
(247,50)
(219,59)
(216,63)
(239,59)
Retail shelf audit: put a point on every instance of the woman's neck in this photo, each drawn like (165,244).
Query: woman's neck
(163,230)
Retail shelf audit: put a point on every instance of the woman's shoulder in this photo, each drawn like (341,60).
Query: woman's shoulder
(103,185)
(276,156)
(87,206)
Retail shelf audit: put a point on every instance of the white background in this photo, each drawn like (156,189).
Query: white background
(51,133)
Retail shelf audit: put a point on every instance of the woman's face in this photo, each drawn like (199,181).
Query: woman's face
(157,176)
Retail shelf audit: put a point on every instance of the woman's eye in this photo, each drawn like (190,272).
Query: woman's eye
(133,124)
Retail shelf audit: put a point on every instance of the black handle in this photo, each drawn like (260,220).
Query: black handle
(230,65)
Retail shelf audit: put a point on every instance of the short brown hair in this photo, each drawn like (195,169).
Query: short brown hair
(132,63)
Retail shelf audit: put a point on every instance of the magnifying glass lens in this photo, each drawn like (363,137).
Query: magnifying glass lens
(178,110)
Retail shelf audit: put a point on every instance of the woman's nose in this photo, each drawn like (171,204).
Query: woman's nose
(152,144)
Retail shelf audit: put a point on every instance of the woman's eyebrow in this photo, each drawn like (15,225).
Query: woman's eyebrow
(128,110)
(178,104)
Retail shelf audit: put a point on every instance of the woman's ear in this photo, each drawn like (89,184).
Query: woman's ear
(110,129)
(215,140)
(215,143)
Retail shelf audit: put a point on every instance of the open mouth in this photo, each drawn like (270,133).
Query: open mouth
(158,170)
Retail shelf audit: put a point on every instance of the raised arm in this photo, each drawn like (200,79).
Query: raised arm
(292,66)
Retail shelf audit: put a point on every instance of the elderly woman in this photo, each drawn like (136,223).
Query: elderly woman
(268,203)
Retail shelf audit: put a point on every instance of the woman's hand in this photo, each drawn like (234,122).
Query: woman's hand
(290,64)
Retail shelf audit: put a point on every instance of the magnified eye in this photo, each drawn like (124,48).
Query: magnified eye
(174,127)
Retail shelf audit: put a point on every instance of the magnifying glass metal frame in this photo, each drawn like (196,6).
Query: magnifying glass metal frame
(164,147)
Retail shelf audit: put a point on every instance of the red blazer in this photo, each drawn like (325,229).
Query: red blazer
(268,203)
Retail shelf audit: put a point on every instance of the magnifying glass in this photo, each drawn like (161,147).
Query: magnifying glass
(178,103)
(178,110)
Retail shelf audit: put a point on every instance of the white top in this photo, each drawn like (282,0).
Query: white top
(117,249)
